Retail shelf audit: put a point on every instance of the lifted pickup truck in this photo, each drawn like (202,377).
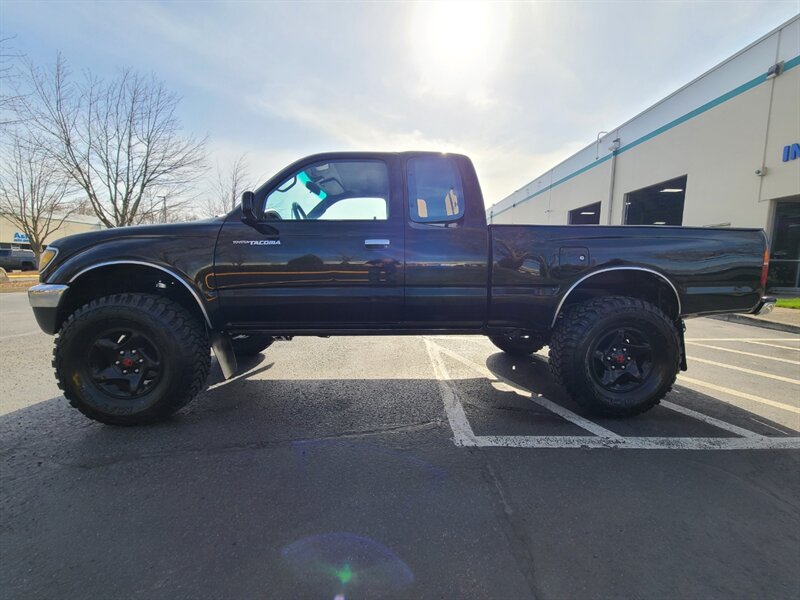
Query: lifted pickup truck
(381,244)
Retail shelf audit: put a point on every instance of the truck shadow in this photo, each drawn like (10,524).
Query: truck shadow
(533,373)
(249,410)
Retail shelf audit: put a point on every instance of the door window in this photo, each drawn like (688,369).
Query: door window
(435,194)
(349,190)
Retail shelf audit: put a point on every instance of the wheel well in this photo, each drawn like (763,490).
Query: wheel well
(126,278)
(643,285)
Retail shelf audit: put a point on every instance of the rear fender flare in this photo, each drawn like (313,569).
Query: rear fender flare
(608,270)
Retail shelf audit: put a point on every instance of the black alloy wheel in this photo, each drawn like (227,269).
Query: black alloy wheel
(622,360)
(124,364)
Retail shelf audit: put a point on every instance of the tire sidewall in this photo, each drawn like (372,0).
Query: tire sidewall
(73,352)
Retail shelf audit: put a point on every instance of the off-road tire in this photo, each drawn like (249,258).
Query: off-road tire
(571,349)
(514,346)
(250,345)
(181,338)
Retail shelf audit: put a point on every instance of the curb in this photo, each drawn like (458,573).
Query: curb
(756,322)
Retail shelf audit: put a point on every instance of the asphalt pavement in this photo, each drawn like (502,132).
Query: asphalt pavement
(406,467)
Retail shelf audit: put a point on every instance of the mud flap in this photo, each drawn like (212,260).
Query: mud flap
(223,350)
(681,329)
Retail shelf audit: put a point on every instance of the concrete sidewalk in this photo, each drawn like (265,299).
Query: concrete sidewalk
(780,319)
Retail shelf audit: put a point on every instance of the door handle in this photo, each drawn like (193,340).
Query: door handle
(376,243)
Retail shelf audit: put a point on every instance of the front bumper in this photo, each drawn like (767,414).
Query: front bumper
(765,306)
(45,299)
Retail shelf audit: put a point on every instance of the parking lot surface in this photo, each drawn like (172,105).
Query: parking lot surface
(407,467)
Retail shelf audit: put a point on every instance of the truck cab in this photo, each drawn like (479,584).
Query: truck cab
(358,241)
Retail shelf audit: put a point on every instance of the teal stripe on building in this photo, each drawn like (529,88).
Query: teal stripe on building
(788,65)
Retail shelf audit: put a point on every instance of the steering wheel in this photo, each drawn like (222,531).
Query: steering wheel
(272,215)
(298,212)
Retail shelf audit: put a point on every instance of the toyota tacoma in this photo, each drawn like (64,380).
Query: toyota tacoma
(381,244)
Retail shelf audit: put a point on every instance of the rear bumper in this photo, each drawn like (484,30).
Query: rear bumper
(765,306)
(45,299)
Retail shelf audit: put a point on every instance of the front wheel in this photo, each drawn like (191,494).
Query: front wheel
(615,356)
(130,359)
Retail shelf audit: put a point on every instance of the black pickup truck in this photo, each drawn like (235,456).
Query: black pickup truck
(381,244)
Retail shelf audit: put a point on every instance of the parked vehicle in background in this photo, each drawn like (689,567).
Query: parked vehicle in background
(381,244)
(17,259)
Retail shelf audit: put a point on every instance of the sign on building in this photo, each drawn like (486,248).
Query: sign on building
(791,152)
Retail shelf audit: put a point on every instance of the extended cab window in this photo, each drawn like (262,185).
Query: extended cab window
(434,190)
(350,190)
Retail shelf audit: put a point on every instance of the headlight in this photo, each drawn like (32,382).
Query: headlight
(47,257)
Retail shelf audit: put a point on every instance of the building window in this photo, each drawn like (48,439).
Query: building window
(660,204)
(784,260)
(585,215)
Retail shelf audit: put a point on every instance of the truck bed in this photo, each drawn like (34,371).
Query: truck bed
(536,268)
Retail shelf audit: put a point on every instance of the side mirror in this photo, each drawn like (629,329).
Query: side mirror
(248,207)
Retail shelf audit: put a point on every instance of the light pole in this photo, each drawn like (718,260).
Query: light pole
(163,208)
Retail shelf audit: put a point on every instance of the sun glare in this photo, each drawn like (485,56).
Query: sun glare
(458,47)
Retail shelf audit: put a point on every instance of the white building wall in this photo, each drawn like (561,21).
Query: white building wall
(718,130)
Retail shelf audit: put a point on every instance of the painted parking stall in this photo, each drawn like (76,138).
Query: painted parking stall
(699,414)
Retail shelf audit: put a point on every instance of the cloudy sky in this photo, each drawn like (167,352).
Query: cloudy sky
(516,86)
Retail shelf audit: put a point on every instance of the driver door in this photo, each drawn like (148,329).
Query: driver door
(326,254)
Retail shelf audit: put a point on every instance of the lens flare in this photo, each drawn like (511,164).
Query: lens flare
(332,563)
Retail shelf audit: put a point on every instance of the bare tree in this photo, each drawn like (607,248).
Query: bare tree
(227,186)
(33,193)
(162,208)
(120,141)
(7,83)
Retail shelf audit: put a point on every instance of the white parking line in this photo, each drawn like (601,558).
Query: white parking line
(640,443)
(603,438)
(742,352)
(739,339)
(537,398)
(765,424)
(738,394)
(710,420)
(744,370)
(776,345)
(18,335)
(459,424)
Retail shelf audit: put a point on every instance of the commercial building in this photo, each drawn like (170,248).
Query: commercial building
(724,151)
(12,237)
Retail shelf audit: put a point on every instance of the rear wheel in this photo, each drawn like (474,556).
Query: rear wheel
(130,359)
(518,344)
(616,356)
(249,345)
